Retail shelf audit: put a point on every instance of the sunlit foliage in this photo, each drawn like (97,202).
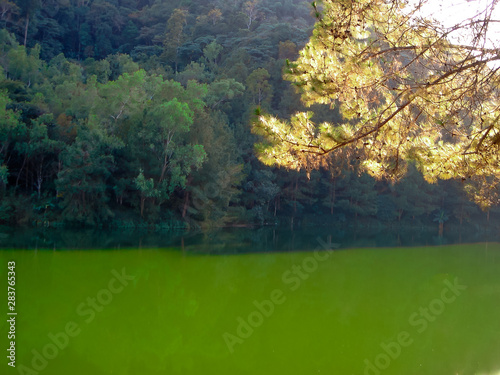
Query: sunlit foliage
(406,89)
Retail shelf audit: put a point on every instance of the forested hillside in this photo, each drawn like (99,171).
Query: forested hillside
(138,114)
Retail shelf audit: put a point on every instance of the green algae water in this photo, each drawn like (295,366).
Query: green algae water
(418,310)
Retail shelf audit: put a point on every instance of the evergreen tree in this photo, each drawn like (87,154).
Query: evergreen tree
(406,90)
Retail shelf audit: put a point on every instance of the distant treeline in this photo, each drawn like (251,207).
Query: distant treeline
(137,113)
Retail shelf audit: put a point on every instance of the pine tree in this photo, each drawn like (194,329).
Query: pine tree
(407,93)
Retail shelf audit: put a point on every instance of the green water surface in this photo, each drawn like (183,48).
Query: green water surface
(421,310)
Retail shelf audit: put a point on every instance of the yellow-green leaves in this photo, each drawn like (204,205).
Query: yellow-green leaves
(406,93)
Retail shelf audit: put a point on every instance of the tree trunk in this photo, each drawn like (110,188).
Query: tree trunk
(31,176)
(295,195)
(20,171)
(39,181)
(332,199)
(186,201)
(26,29)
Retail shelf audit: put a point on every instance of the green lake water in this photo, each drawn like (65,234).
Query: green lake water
(144,311)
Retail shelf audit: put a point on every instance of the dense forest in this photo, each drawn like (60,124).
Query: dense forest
(138,113)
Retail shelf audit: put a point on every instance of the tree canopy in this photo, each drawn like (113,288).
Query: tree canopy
(136,114)
(409,89)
